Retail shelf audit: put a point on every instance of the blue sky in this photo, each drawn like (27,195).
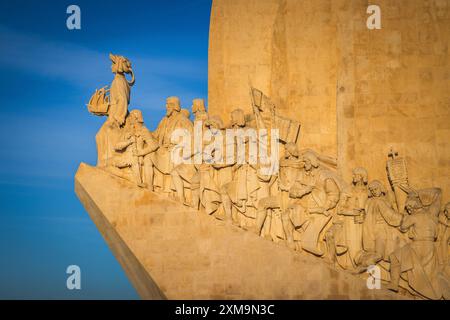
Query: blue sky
(47,75)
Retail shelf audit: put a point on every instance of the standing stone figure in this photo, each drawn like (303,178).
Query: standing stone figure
(417,261)
(135,150)
(209,191)
(185,176)
(239,196)
(146,145)
(444,237)
(198,109)
(380,236)
(172,121)
(290,166)
(316,195)
(119,99)
(345,236)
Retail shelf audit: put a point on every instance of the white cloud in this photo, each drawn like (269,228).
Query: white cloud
(87,67)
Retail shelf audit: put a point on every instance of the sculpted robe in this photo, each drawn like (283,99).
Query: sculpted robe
(163,134)
(119,98)
(380,235)
(347,225)
(444,240)
(418,259)
(110,132)
(324,194)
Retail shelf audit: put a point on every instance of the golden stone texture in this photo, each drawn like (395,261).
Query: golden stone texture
(171,251)
(356,91)
(361,190)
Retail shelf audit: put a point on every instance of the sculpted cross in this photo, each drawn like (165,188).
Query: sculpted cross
(392,153)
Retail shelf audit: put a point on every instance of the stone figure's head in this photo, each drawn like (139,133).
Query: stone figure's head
(291,150)
(121,65)
(376,189)
(413,202)
(360,175)
(172,105)
(447,210)
(215,124)
(310,160)
(136,117)
(198,105)
(237,118)
(441,8)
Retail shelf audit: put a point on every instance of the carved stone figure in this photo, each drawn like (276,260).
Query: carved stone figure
(290,165)
(134,150)
(120,88)
(173,120)
(380,236)
(239,196)
(444,236)
(317,194)
(417,261)
(117,109)
(185,176)
(209,191)
(146,145)
(346,234)
(198,109)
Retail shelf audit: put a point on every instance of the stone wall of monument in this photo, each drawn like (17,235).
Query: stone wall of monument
(357,92)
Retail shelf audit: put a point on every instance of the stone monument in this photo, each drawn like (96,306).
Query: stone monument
(209,208)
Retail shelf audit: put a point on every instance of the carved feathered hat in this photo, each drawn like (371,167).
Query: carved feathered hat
(123,65)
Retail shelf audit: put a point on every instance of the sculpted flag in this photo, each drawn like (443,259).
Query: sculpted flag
(267,118)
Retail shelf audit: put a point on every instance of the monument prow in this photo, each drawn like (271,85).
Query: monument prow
(171,251)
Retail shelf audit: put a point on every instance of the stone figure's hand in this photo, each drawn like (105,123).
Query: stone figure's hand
(359,218)
(319,210)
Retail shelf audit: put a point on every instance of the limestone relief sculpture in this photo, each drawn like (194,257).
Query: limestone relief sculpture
(301,200)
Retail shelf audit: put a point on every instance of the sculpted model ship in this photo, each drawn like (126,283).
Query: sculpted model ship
(99,102)
(287,195)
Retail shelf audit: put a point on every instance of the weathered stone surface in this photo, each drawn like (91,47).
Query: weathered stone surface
(171,251)
(356,92)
